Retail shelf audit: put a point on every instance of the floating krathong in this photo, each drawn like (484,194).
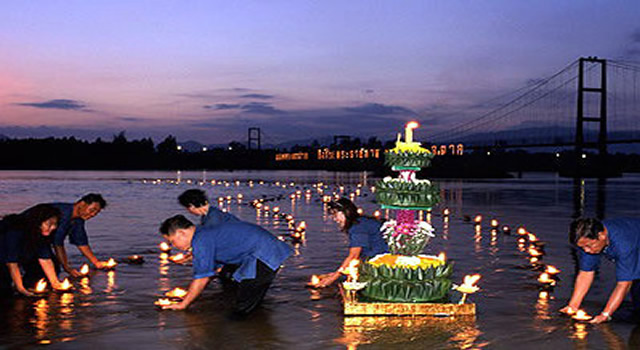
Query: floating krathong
(176,293)
(164,302)
(111,263)
(581,316)
(164,246)
(314,280)
(545,278)
(84,270)
(41,286)
(66,285)
(135,259)
(177,258)
(468,286)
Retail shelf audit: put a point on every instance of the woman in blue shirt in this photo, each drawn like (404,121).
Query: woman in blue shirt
(24,245)
(365,239)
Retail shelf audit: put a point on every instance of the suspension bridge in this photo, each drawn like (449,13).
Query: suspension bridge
(590,104)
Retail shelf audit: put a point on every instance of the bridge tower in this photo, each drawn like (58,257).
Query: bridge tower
(253,138)
(584,91)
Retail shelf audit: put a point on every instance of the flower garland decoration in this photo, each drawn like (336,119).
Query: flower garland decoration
(407,238)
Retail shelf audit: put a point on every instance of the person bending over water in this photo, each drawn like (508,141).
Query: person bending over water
(365,239)
(24,245)
(72,224)
(257,252)
(617,240)
(196,202)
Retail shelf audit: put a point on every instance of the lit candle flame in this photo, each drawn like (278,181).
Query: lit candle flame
(302,226)
(544,278)
(532,237)
(163,302)
(41,286)
(111,263)
(478,219)
(522,231)
(66,285)
(494,223)
(352,270)
(468,286)
(164,247)
(176,293)
(534,252)
(581,316)
(543,295)
(552,270)
(315,280)
(84,270)
(442,257)
(177,257)
(408,131)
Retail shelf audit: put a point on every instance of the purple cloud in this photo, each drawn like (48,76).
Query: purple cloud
(55,104)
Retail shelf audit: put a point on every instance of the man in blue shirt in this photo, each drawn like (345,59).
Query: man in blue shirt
(196,202)
(257,253)
(72,225)
(617,240)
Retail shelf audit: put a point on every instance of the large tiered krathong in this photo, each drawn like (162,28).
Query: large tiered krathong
(405,275)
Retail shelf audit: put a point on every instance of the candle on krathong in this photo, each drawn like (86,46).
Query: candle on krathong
(544,295)
(477,219)
(176,293)
(135,259)
(163,302)
(545,278)
(581,316)
(111,263)
(302,226)
(352,270)
(442,257)
(66,285)
(408,131)
(468,286)
(164,246)
(522,231)
(494,223)
(552,270)
(314,280)
(176,258)
(41,286)
(84,270)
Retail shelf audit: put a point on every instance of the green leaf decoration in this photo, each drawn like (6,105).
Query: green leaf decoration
(407,159)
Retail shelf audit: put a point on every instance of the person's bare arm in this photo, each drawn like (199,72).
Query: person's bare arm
(616,298)
(61,255)
(50,272)
(88,253)
(14,271)
(580,289)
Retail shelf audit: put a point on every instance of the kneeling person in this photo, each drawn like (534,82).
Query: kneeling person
(257,252)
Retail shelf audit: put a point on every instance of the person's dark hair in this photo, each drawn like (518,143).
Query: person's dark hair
(94,198)
(194,197)
(170,225)
(29,222)
(349,210)
(585,228)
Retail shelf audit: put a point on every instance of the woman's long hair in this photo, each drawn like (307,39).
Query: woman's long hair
(30,223)
(349,210)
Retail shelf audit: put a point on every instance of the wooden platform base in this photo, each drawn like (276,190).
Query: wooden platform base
(353,307)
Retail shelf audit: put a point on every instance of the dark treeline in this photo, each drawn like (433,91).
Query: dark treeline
(122,154)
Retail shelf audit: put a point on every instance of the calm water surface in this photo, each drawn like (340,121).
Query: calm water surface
(115,309)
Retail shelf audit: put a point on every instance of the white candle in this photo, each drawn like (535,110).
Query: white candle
(408,131)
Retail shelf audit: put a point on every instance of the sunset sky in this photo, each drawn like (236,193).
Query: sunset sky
(208,70)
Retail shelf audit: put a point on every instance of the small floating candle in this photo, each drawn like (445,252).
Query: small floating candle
(176,293)
(111,263)
(84,270)
(581,316)
(41,286)
(164,247)
(314,280)
(545,278)
(177,258)
(163,302)
(135,259)
(552,270)
(66,285)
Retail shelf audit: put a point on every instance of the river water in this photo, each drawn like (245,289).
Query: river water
(115,309)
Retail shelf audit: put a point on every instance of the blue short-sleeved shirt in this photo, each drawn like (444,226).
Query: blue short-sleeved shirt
(623,249)
(74,228)
(13,250)
(238,243)
(366,234)
(216,217)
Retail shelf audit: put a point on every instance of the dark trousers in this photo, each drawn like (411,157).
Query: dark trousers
(6,287)
(251,291)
